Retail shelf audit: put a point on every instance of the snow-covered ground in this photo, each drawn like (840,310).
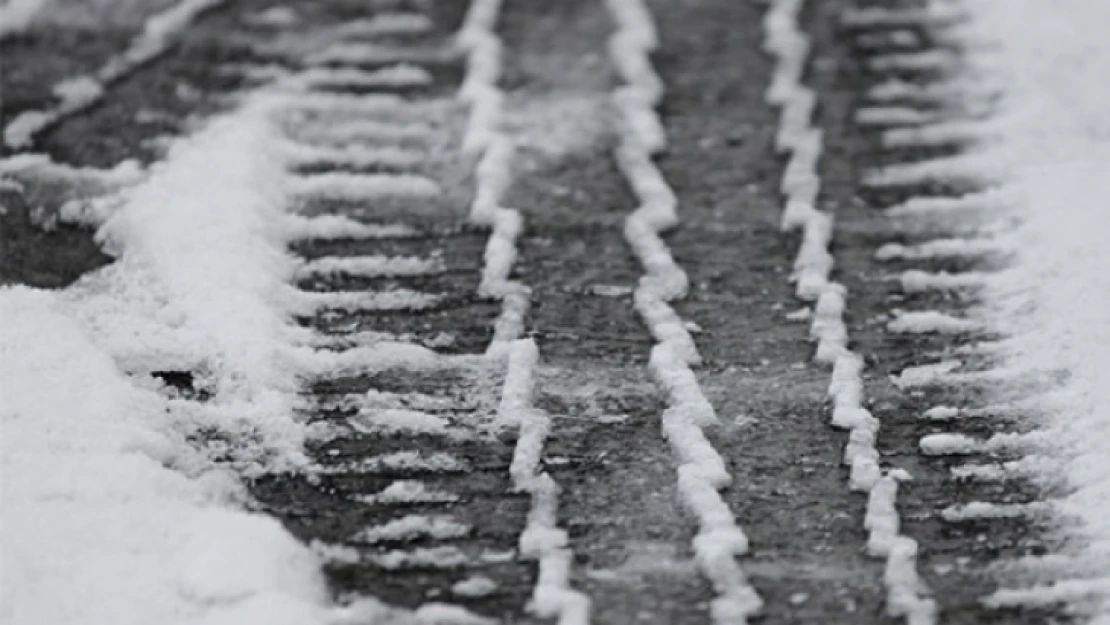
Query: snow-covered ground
(1050,146)
(109,514)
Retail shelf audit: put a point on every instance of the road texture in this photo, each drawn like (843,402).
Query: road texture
(628,531)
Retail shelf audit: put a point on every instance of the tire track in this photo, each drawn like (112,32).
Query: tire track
(918,117)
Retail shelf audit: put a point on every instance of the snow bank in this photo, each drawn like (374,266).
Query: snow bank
(108,515)
(1054,140)
(113,511)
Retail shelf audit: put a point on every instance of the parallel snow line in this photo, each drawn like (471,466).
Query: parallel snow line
(359,53)
(370,266)
(701,471)
(933,14)
(79,93)
(355,156)
(484,137)
(789,46)
(393,24)
(353,186)
(308,303)
(542,539)
(396,75)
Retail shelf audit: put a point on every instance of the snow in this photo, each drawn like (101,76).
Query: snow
(442,557)
(337,185)
(939,134)
(701,471)
(907,596)
(82,92)
(1053,143)
(397,75)
(370,266)
(399,420)
(929,322)
(917,281)
(967,248)
(542,539)
(485,137)
(436,462)
(935,60)
(407,492)
(330,227)
(413,527)
(360,53)
(109,515)
(476,586)
(893,116)
(17,16)
(388,24)
(355,156)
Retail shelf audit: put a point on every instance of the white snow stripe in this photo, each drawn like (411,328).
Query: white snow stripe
(917,281)
(384,399)
(895,116)
(969,248)
(484,137)
(395,462)
(552,596)
(355,156)
(354,186)
(331,227)
(933,14)
(906,596)
(398,75)
(991,201)
(410,492)
(311,302)
(966,168)
(413,527)
(981,510)
(77,94)
(933,60)
(435,558)
(950,444)
(361,53)
(888,40)
(972,90)
(542,539)
(370,266)
(931,322)
(701,471)
(962,132)
(353,131)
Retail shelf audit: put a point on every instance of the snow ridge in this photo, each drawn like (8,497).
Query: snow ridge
(78,94)
(701,471)
(789,46)
(485,138)
(542,539)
